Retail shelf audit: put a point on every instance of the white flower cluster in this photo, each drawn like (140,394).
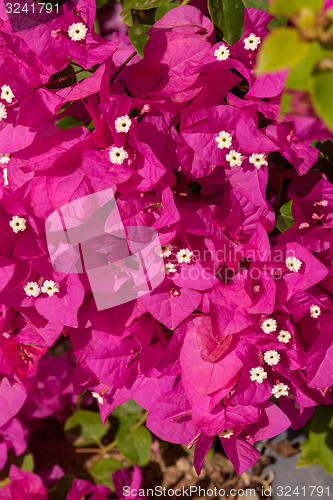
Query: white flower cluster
(32,288)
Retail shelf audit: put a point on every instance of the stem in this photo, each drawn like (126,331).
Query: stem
(122,66)
(80,399)
(108,447)
(99,453)
(87,450)
(185,2)
(113,444)
(139,422)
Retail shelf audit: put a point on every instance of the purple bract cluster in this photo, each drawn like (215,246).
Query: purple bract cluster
(236,342)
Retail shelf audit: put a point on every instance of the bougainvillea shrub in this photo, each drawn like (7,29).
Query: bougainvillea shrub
(234,340)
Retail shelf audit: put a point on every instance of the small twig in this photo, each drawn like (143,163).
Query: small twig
(139,422)
(80,399)
(122,66)
(87,450)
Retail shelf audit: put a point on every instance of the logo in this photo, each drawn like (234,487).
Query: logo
(26,14)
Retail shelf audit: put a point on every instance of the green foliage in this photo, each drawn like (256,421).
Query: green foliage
(129,5)
(319,445)
(163,9)
(288,8)
(69,122)
(4,482)
(281,49)
(285,220)
(134,444)
(191,451)
(60,491)
(138,37)
(101,3)
(85,428)
(124,410)
(228,16)
(306,49)
(321,85)
(28,463)
(133,441)
(298,76)
(101,471)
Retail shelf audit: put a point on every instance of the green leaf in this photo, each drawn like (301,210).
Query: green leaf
(285,220)
(209,454)
(68,77)
(138,37)
(285,105)
(299,75)
(91,126)
(4,482)
(84,428)
(69,122)
(228,15)
(135,445)
(129,5)
(321,85)
(102,470)
(61,491)
(281,49)
(28,463)
(319,445)
(163,9)
(289,7)
(101,3)
(125,409)
(257,4)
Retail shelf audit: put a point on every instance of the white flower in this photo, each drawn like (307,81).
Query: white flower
(4,158)
(258,160)
(50,287)
(32,289)
(284,336)
(272,357)
(170,268)
(77,31)
(234,158)
(17,223)
(3,111)
(223,140)
(269,325)
(5,176)
(184,255)
(118,155)
(165,250)
(251,42)
(6,93)
(226,434)
(315,311)
(303,225)
(293,264)
(123,123)
(258,374)
(97,396)
(280,390)
(222,53)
